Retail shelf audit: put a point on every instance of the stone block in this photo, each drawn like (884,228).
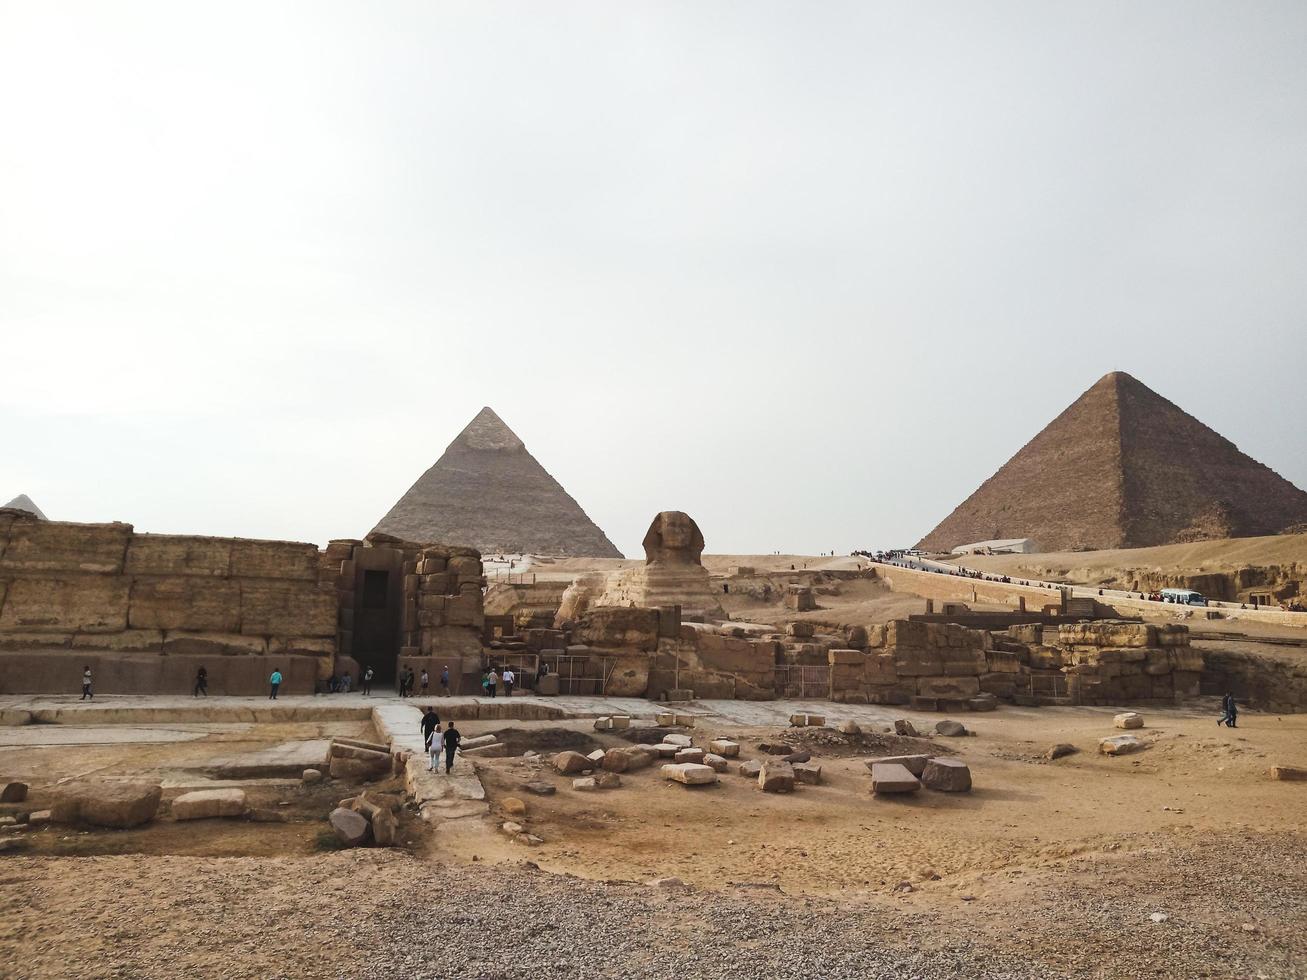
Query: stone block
(887,777)
(776,776)
(616,760)
(182,603)
(983,702)
(750,769)
(951,729)
(274,560)
(585,784)
(807,721)
(74,603)
(684,741)
(915,764)
(1289,773)
(688,755)
(667,750)
(918,703)
(213,645)
(807,772)
(178,555)
(947,775)
(1120,744)
(206,803)
(497,750)
(108,803)
(690,773)
(957,688)
(350,827)
(724,747)
(1128,719)
(625,627)
(568,763)
(60,547)
(716,762)
(286,608)
(128,641)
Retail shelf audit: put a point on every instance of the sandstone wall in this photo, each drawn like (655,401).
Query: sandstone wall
(146,610)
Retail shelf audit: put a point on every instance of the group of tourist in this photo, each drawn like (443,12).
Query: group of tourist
(439,742)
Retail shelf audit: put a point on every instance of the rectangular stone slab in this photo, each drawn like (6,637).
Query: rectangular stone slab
(690,773)
(915,764)
(891,777)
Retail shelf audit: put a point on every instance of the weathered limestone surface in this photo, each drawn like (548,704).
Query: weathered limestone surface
(56,546)
(182,603)
(888,777)
(673,572)
(107,803)
(77,603)
(203,804)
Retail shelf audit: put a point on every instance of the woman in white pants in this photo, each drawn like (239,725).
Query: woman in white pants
(437,749)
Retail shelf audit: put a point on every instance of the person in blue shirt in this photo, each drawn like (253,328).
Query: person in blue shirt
(275,681)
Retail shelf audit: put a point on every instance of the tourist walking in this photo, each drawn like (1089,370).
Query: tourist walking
(408,682)
(509,679)
(425,681)
(346,683)
(367,680)
(201,683)
(430,722)
(435,746)
(275,682)
(452,737)
(1229,712)
(444,681)
(87,693)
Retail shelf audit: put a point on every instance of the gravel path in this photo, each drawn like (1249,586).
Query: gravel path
(1236,906)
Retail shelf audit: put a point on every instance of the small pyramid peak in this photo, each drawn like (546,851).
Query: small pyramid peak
(24,502)
(488,431)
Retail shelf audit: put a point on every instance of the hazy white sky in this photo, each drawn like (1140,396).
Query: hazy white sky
(810,272)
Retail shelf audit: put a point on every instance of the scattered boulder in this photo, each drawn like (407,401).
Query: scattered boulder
(568,763)
(38,818)
(540,788)
(688,755)
(596,756)
(717,762)
(616,760)
(640,756)
(915,764)
(513,806)
(684,741)
(107,803)
(807,772)
(983,702)
(14,792)
(585,784)
(904,727)
(311,776)
(947,776)
(690,773)
(1128,719)
(1059,750)
(724,747)
(952,729)
(796,757)
(1120,745)
(750,769)
(607,780)
(621,722)
(203,804)
(775,748)
(776,777)
(604,724)
(351,827)
(890,777)
(850,728)
(512,829)
(1288,773)
(668,749)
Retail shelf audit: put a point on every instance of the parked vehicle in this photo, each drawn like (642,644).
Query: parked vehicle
(1184,597)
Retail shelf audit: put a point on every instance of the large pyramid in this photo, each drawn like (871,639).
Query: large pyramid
(488,492)
(1123,468)
(24,502)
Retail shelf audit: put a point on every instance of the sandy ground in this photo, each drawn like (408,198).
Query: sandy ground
(1045,869)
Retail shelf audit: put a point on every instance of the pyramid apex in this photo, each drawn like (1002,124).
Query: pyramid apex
(488,431)
(24,502)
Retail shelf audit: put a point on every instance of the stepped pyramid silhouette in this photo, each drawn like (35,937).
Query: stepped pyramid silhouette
(488,492)
(1123,467)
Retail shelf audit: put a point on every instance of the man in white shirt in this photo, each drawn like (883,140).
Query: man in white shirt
(509,678)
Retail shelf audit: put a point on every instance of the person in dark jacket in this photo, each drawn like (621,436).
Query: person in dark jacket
(201,683)
(430,721)
(1229,712)
(452,737)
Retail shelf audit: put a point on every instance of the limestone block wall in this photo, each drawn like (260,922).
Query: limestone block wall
(145,610)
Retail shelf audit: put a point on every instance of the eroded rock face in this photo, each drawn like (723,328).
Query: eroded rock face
(673,572)
(947,775)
